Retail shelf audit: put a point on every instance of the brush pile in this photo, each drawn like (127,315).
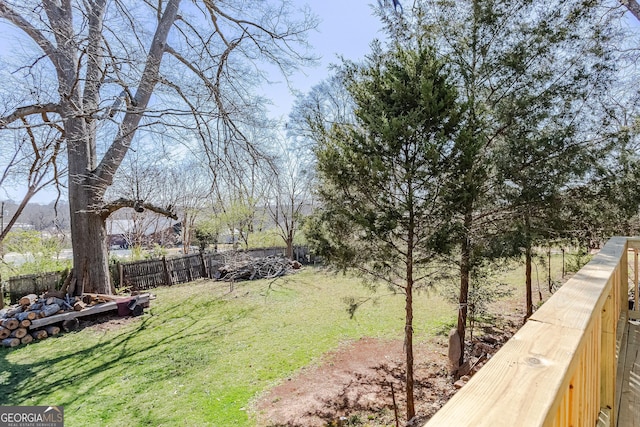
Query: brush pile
(247,268)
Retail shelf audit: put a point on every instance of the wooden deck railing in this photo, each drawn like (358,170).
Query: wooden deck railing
(560,368)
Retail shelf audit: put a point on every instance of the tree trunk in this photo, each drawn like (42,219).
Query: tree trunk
(529,297)
(408,328)
(289,243)
(465,273)
(408,342)
(89,240)
(528,255)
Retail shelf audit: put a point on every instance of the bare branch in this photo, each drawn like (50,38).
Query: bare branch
(138,205)
(12,16)
(118,149)
(633,7)
(28,110)
(95,70)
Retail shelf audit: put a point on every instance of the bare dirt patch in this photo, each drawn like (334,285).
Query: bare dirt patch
(354,383)
(106,323)
(352,386)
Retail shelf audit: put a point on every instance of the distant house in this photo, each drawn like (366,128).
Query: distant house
(142,230)
(22,226)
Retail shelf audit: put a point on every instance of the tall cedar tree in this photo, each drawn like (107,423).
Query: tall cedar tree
(525,69)
(381,178)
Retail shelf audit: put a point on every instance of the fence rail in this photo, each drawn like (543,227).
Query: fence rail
(147,274)
(560,368)
(20,286)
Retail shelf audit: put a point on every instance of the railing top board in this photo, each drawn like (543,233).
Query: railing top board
(521,383)
(584,294)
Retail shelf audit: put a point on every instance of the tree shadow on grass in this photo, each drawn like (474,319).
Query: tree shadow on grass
(82,369)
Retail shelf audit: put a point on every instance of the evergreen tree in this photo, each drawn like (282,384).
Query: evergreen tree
(526,72)
(381,179)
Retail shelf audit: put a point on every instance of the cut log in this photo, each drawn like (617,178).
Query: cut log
(70,325)
(100,308)
(28,299)
(40,334)
(54,300)
(26,339)
(36,307)
(67,282)
(10,342)
(49,310)
(18,333)
(4,333)
(100,297)
(10,323)
(3,312)
(55,294)
(79,305)
(14,312)
(25,323)
(27,315)
(52,330)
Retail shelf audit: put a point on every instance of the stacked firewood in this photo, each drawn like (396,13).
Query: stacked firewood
(248,268)
(15,320)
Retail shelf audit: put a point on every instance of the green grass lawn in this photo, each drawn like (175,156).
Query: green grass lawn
(201,354)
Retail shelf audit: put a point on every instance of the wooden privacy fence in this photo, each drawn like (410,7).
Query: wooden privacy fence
(560,368)
(19,286)
(147,274)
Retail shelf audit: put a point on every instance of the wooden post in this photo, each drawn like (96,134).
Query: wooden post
(549,266)
(563,267)
(121,274)
(167,276)
(608,360)
(187,260)
(205,270)
(635,280)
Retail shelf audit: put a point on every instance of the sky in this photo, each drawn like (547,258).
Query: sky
(347,28)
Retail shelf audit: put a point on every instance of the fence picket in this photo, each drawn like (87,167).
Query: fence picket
(147,274)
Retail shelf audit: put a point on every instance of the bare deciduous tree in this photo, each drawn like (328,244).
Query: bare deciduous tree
(119,66)
(290,193)
(34,160)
